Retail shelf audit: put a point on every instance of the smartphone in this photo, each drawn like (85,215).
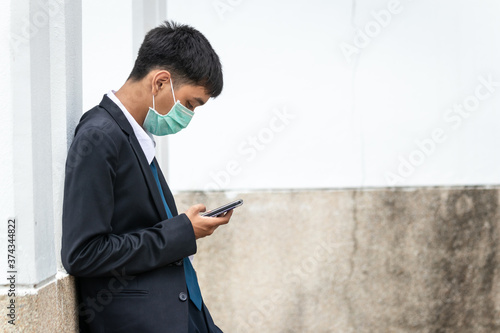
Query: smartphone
(222,209)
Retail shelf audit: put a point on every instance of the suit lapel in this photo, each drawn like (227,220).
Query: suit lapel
(122,121)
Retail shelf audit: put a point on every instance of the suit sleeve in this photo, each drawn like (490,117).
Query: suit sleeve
(89,246)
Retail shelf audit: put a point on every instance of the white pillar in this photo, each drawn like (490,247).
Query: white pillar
(40,90)
(146,15)
(66,96)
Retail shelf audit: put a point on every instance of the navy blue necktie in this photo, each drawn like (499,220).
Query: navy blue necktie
(191,280)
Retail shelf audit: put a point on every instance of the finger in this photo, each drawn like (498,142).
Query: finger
(225,218)
(229,213)
(199,208)
(219,221)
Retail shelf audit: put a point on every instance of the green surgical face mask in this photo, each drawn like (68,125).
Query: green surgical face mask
(175,120)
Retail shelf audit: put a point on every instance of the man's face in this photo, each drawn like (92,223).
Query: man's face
(191,96)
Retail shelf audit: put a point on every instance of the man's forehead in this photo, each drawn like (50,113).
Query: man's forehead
(197,92)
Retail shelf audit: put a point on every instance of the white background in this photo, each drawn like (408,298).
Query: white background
(354,121)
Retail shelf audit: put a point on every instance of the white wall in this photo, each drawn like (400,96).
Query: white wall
(107,48)
(350,120)
(354,120)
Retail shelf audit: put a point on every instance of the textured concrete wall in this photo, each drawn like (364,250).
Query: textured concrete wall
(419,260)
(51,309)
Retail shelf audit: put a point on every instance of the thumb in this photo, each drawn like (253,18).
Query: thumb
(198,208)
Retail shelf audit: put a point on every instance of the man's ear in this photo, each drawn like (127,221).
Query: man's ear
(160,80)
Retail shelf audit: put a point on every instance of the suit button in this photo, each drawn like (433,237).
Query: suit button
(178,263)
(183,296)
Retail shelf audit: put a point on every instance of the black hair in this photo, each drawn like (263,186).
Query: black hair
(184,52)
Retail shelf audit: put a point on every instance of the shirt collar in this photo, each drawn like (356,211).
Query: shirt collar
(145,138)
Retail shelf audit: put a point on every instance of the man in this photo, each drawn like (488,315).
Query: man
(122,236)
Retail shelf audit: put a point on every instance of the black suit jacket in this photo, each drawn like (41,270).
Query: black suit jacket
(116,238)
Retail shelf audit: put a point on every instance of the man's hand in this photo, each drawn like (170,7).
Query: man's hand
(205,226)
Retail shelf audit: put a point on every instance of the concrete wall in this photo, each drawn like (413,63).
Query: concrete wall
(52,308)
(407,260)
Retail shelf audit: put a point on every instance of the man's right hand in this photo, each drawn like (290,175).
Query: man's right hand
(203,225)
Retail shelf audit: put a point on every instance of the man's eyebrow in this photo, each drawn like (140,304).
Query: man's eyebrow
(199,100)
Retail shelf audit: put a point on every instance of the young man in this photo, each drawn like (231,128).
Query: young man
(122,236)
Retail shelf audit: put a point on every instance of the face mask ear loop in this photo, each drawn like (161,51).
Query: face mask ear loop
(154,103)
(172,86)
